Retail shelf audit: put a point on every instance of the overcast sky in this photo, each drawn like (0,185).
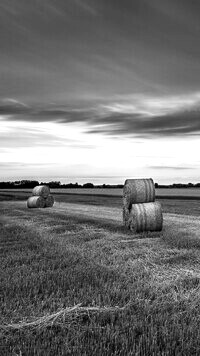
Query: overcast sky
(100,90)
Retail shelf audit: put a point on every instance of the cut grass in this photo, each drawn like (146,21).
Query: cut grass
(52,262)
(188,204)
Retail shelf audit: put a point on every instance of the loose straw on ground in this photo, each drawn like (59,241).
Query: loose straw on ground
(64,316)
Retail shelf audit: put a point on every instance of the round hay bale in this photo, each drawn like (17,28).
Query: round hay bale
(49,201)
(145,217)
(126,214)
(42,190)
(138,191)
(36,202)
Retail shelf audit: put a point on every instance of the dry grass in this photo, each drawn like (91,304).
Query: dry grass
(64,317)
(182,192)
(75,282)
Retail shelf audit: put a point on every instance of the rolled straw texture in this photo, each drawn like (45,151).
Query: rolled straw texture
(42,190)
(36,202)
(138,191)
(49,201)
(145,217)
(126,214)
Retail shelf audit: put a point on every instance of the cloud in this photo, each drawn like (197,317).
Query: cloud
(85,6)
(15,102)
(136,116)
(70,48)
(173,124)
(20,164)
(172,167)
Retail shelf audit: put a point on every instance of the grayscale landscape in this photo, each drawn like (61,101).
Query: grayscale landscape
(99,177)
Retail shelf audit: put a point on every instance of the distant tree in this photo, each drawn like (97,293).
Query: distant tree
(28,184)
(190,185)
(71,185)
(88,185)
(6,185)
(107,186)
(178,185)
(54,184)
(17,182)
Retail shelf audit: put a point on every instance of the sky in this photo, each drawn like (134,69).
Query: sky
(100,90)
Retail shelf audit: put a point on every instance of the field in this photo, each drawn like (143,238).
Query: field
(75,282)
(161,192)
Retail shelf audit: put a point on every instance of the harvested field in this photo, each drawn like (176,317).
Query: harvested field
(188,205)
(76,282)
(161,192)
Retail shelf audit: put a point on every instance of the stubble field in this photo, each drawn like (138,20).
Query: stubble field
(75,282)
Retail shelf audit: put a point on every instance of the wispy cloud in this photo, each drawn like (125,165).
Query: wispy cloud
(13,165)
(15,102)
(176,168)
(87,6)
(141,116)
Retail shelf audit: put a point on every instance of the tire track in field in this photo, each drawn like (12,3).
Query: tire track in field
(112,216)
(184,223)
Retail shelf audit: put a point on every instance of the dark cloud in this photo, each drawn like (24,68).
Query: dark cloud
(174,124)
(44,115)
(108,122)
(67,50)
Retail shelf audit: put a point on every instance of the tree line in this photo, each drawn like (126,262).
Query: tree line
(53,184)
(57,184)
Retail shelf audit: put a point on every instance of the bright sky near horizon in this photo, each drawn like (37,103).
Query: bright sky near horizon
(100,90)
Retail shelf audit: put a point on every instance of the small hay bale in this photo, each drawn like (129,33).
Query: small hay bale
(36,202)
(49,201)
(138,191)
(126,214)
(42,190)
(145,217)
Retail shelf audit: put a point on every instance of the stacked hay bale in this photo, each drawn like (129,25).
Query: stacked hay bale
(40,198)
(140,210)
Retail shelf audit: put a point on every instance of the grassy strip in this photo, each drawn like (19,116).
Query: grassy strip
(187,206)
(55,264)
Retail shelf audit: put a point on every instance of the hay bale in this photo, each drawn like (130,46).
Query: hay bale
(138,191)
(126,214)
(145,217)
(36,202)
(49,201)
(42,190)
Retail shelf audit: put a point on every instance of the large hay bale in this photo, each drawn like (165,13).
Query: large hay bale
(138,191)
(145,217)
(49,201)
(42,190)
(36,202)
(126,213)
